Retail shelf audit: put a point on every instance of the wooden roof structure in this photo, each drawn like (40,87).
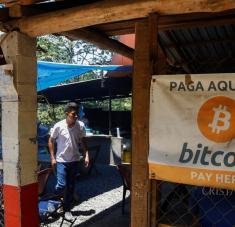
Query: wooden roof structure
(97,20)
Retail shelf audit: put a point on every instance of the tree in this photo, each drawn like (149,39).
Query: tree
(122,104)
(48,114)
(60,49)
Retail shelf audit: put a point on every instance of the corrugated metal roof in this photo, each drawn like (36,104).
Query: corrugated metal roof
(201,50)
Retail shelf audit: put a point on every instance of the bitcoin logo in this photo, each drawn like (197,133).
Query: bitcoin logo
(216,119)
(221,115)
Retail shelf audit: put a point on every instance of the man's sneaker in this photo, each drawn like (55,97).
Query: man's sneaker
(68,216)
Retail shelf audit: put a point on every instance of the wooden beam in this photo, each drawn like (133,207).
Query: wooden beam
(16,11)
(36,9)
(10,3)
(100,40)
(154,195)
(120,27)
(28,2)
(48,6)
(171,22)
(107,11)
(95,37)
(197,21)
(166,22)
(146,63)
(140,128)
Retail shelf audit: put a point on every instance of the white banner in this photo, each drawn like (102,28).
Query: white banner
(192,129)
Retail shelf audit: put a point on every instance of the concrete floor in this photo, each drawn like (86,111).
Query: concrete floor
(100,201)
(114,219)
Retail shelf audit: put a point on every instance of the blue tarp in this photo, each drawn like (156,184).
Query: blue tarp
(50,73)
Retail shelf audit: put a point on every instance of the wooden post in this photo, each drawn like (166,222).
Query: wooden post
(140,127)
(154,69)
(19,133)
(145,193)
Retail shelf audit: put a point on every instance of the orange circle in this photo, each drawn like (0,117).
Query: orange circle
(216,119)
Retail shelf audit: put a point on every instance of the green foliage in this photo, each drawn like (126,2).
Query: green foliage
(91,75)
(123,104)
(86,76)
(55,49)
(49,115)
(60,49)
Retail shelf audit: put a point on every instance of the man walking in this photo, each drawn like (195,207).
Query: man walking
(69,136)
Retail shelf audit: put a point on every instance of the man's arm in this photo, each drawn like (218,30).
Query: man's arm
(51,145)
(85,151)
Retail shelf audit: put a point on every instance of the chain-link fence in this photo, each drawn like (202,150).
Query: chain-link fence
(184,205)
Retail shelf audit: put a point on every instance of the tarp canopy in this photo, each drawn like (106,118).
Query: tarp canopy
(50,73)
(98,89)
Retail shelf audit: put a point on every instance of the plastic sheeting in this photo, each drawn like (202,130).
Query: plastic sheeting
(50,73)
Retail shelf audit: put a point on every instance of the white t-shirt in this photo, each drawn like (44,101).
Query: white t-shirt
(68,140)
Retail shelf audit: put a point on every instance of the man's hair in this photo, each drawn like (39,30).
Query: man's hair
(70,107)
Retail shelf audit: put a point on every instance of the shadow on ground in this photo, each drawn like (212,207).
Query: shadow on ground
(111,217)
(105,179)
(99,200)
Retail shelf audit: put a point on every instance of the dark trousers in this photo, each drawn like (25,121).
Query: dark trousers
(66,179)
